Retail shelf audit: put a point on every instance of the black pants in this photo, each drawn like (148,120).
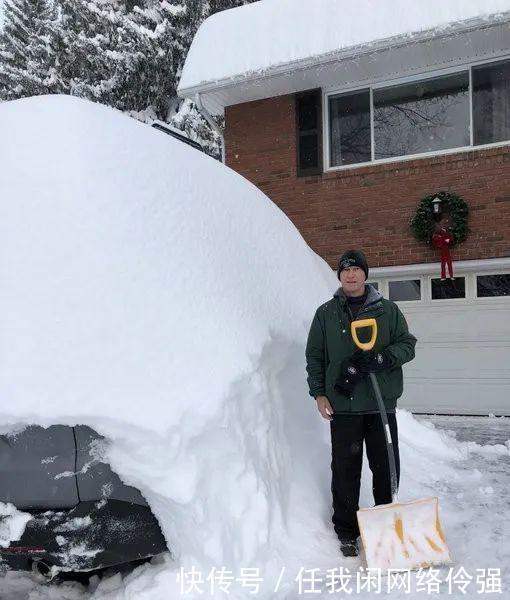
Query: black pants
(347,435)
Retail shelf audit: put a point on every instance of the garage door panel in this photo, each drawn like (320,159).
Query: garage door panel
(467,325)
(462,356)
(457,396)
(473,360)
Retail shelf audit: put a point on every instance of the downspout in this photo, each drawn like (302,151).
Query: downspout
(212,123)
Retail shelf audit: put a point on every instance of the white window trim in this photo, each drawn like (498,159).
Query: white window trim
(486,266)
(469,270)
(383,83)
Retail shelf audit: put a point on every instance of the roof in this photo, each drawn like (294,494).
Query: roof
(272,36)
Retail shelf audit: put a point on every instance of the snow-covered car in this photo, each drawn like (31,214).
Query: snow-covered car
(154,295)
(83,517)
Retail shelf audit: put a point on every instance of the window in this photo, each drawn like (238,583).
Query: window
(491,103)
(309,145)
(448,289)
(432,114)
(421,117)
(349,124)
(374,284)
(403,291)
(492,285)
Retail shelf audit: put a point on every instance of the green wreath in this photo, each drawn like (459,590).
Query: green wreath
(423,224)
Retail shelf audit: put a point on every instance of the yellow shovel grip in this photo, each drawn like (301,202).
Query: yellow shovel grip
(355,325)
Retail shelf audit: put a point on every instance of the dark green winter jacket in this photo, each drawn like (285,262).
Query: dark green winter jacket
(330,342)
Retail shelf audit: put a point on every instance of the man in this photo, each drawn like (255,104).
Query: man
(338,380)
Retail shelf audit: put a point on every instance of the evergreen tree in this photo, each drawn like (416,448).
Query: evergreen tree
(187,117)
(153,80)
(27,57)
(120,57)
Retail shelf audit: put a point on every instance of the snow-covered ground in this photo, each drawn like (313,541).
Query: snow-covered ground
(152,293)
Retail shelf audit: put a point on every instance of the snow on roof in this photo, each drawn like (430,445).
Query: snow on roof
(257,38)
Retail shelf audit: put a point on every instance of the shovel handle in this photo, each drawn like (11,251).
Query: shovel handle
(355,325)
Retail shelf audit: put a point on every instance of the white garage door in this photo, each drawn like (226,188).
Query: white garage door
(462,363)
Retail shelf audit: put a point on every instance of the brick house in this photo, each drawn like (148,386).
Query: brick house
(347,136)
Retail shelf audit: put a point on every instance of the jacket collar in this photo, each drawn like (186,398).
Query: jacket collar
(373,295)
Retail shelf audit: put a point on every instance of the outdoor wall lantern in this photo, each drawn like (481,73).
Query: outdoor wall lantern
(436,208)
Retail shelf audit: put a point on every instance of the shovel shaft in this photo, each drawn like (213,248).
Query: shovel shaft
(387,436)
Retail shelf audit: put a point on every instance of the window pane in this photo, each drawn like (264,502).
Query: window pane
(491,103)
(405,290)
(444,290)
(423,116)
(492,285)
(349,128)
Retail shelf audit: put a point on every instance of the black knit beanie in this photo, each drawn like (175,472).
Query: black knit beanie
(353,258)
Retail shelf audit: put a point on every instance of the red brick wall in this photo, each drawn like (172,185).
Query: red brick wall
(368,207)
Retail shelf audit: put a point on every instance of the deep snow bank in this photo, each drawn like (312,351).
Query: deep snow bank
(139,277)
(156,295)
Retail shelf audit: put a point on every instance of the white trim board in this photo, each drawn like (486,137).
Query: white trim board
(460,266)
(387,59)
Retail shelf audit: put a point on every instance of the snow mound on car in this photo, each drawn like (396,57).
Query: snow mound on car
(156,295)
(140,277)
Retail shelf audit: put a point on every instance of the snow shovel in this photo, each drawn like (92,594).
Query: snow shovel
(399,535)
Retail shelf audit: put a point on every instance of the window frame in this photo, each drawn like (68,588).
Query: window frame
(384,83)
(464,276)
(488,298)
(389,280)
(470,297)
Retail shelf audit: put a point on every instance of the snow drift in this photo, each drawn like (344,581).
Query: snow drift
(154,294)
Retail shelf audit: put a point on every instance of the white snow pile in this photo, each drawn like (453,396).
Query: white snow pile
(152,293)
(272,33)
(12,523)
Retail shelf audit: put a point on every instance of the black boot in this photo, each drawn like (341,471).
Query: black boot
(349,547)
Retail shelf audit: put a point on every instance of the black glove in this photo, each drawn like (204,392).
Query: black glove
(372,362)
(348,378)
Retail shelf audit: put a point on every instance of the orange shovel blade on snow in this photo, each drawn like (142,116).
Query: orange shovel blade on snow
(403,535)
(400,535)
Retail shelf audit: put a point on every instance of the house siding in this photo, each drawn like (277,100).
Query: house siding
(368,207)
